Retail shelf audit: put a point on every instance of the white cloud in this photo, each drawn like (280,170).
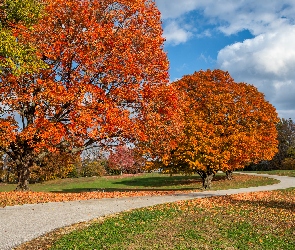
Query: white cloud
(257,16)
(176,8)
(266,61)
(175,34)
(233,16)
(206,59)
(271,53)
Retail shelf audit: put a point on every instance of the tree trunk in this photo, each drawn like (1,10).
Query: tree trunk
(23,156)
(207,178)
(207,182)
(23,173)
(229,174)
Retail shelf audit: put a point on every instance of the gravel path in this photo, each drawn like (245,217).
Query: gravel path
(19,224)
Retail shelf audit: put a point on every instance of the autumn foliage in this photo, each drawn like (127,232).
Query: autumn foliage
(162,122)
(226,126)
(104,62)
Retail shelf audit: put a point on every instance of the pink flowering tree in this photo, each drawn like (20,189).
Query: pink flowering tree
(122,159)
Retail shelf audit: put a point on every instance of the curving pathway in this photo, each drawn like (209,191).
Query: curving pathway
(19,224)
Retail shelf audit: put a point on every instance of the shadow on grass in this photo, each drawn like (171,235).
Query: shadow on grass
(163,183)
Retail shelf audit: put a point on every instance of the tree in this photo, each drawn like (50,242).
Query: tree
(54,165)
(105,62)
(162,123)
(92,162)
(122,159)
(227,125)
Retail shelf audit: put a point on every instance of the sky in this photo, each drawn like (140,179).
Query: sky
(254,40)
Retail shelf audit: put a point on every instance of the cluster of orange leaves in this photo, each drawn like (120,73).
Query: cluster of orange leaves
(278,199)
(225,125)
(20,198)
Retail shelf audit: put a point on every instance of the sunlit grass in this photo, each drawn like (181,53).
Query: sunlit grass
(263,220)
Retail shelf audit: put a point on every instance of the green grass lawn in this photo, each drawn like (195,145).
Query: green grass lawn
(290,173)
(263,220)
(144,182)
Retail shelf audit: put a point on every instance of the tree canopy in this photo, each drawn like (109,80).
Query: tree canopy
(226,125)
(122,159)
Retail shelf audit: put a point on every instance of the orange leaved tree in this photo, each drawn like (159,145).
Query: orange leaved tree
(105,61)
(227,125)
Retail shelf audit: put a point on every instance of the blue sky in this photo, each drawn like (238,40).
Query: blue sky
(254,40)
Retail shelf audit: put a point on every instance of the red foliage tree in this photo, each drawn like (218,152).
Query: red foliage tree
(123,160)
(105,63)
